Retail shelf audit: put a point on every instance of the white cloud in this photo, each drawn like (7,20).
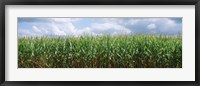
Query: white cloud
(57,26)
(65,27)
(84,31)
(133,21)
(160,25)
(36,29)
(151,26)
(113,26)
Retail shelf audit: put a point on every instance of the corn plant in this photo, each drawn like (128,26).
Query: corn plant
(119,51)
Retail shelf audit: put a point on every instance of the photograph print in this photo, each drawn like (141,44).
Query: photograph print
(99,42)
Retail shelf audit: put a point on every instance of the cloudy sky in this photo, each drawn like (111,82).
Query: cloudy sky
(97,26)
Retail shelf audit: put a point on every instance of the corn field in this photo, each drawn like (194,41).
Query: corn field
(121,51)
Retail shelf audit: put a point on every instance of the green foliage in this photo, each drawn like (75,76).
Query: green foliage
(122,51)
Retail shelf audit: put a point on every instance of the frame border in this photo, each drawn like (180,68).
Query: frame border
(3,3)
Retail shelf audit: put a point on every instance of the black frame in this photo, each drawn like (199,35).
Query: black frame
(99,2)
